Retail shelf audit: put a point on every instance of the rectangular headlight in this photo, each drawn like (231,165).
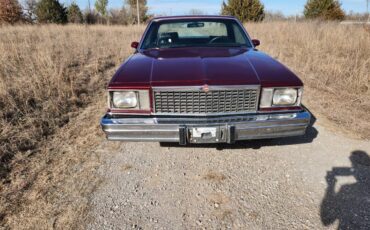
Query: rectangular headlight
(125,99)
(129,99)
(285,96)
(280,97)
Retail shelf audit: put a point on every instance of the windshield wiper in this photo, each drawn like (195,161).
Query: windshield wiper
(227,45)
(200,46)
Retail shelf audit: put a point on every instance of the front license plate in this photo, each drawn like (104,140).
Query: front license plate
(206,134)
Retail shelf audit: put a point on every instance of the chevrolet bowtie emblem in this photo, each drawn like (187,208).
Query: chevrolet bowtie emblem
(205,88)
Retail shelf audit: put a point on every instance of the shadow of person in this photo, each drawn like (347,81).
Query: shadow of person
(351,204)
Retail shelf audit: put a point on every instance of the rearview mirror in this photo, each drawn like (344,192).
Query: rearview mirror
(195,25)
(256,42)
(134,45)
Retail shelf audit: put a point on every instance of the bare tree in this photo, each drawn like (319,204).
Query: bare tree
(30,10)
(196,12)
(101,8)
(274,16)
(137,10)
(118,16)
(367,10)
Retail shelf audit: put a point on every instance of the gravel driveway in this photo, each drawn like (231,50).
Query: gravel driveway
(318,181)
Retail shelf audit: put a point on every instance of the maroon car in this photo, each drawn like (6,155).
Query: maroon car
(200,79)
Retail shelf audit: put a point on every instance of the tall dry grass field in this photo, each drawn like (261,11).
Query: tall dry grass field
(333,61)
(48,72)
(52,81)
(49,76)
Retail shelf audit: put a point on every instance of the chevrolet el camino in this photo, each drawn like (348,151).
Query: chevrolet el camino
(200,79)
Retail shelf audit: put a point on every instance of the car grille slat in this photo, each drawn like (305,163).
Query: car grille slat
(197,102)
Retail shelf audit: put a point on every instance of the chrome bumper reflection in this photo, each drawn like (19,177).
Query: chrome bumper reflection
(177,129)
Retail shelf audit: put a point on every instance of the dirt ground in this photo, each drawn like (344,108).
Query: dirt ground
(58,172)
(319,181)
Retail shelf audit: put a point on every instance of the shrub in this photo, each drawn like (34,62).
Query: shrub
(10,11)
(324,9)
(51,11)
(74,14)
(244,10)
(118,17)
(90,17)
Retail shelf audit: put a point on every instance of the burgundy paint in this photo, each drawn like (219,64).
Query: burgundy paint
(256,42)
(134,45)
(199,66)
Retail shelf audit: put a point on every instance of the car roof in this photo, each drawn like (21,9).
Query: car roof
(165,18)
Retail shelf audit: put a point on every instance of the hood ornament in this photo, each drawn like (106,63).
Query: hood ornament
(205,88)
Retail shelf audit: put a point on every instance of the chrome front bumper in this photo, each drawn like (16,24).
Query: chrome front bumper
(229,128)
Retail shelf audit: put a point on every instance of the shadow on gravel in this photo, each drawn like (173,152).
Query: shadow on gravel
(351,204)
(310,135)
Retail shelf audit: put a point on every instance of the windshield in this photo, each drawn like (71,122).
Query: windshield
(195,33)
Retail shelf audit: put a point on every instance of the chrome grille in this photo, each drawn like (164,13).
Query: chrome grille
(197,102)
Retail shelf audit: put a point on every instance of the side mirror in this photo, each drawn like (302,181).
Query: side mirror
(134,45)
(256,42)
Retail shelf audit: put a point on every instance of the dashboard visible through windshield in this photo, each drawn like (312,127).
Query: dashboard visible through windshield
(195,33)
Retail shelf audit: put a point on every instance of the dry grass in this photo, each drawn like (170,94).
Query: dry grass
(49,72)
(49,77)
(333,61)
(126,167)
(214,176)
(52,81)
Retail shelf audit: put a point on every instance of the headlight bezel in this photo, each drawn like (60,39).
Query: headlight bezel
(142,99)
(268,95)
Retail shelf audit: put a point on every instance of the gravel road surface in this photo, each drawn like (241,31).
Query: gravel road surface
(319,181)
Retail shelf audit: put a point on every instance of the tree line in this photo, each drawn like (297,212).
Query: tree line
(254,10)
(52,11)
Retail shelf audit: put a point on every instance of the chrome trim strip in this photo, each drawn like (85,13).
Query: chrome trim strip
(169,121)
(209,115)
(203,114)
(245,32)
(199,87)
(140,49)
(129,114)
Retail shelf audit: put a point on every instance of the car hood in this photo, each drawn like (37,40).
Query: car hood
(199,66)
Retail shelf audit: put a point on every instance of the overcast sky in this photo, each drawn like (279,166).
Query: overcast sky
(180,7)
